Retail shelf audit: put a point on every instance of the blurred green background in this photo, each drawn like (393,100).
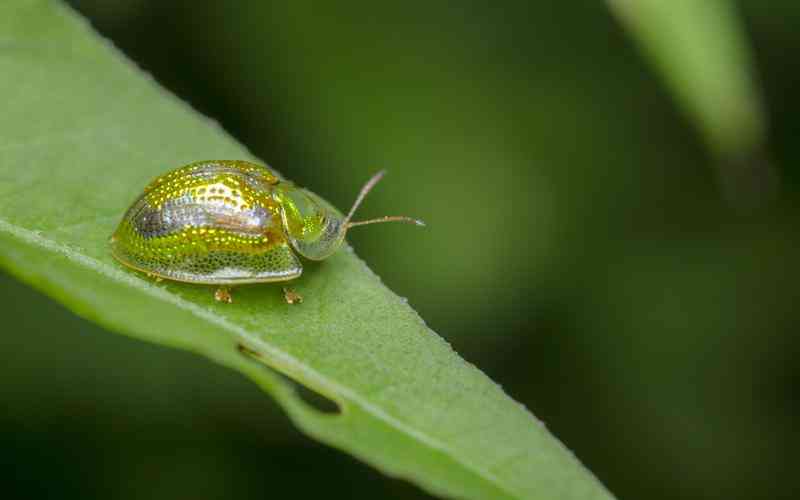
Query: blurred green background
(579,250)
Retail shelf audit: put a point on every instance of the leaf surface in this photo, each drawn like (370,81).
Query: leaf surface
(82,133)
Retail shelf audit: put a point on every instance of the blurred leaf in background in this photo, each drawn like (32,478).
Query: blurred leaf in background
(701,50)
(579,250)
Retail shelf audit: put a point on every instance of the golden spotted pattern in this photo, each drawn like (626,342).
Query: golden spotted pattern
(211,222)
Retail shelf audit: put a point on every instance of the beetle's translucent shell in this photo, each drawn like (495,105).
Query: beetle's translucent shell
(314,228)
(216,222)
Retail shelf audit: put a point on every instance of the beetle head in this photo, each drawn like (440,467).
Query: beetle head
(316,229)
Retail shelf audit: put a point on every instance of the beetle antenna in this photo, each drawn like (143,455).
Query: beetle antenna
(388,218)
(364,190)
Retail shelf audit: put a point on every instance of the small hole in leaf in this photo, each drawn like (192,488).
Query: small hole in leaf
(316,400)
(319,402)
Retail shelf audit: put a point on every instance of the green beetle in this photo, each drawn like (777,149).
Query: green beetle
(230,222)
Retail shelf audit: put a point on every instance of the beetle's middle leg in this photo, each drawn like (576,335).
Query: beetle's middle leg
(291,296)
(223,294)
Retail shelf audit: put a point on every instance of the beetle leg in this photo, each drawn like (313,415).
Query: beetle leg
(223,294)
(155,277)
(291,296)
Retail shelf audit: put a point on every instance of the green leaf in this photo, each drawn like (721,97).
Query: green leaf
(83,131)
(701,51)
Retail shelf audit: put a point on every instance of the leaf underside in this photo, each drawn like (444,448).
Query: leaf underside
(83,131)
